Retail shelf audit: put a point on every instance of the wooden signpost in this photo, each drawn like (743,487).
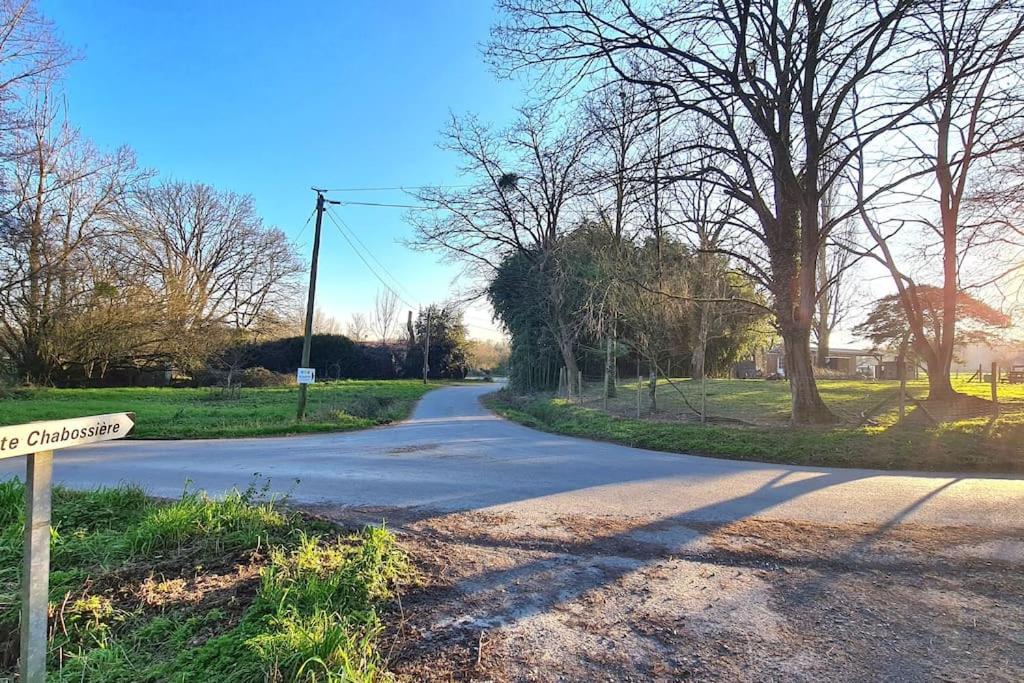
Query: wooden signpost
(38,441)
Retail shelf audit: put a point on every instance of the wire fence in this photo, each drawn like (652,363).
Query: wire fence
(652,395)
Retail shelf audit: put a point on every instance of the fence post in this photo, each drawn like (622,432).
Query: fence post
(703,396)
(653,390)
(579,385)
(995,387)
(639,383)
(900,371)
(607,374)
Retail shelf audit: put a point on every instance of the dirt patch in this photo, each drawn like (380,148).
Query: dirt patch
(415,448)
(509,598)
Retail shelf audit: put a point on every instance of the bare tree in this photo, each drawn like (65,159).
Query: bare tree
(62,196)
(527,182)
(31,59)
(838,290)
(211,258)
(293,323)
(358,328)
(707,218)
(618,113)
(968,69)
(775,84)
(385,313)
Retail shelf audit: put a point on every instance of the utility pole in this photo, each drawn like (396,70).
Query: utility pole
(426,349)
(310,298)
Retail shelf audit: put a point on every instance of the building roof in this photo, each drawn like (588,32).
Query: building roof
(834,351)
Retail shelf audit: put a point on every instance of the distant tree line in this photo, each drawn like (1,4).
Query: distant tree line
(336,356)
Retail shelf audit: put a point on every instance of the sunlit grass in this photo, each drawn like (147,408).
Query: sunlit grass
(981,444)
(764,402)
(308,610)
(166,413)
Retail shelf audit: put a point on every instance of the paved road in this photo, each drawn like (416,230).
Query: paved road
(454,455)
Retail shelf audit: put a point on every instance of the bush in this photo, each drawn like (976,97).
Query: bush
(261,377)
(334,356)
(209,377)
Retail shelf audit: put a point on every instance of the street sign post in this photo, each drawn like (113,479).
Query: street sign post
(38,441)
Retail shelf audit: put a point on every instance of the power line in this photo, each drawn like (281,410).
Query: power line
(394,206)
(399,187)
(305,225)
(369,251)
(366,263)
(344,232)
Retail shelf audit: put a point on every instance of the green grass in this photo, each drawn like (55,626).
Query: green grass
(165,413)
(232,590)
(767,403)
(974,445)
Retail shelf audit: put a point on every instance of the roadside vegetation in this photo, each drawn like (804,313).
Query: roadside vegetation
(975,444)
(232,590)
(164,413)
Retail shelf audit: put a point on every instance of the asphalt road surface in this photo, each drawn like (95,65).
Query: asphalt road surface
(454,455)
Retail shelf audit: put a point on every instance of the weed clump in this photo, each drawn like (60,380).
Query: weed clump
(234,589)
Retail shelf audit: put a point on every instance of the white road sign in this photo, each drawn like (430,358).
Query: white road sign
(55,434)
(38,440)
(306,375)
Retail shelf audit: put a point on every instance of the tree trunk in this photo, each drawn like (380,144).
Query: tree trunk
(571,369)
(652,390)
(698,369)
(808,408)
(823,345)
(609,369)
(822,330)
(940,386)
(938,363)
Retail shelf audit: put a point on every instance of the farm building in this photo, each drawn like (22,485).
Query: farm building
(772,362)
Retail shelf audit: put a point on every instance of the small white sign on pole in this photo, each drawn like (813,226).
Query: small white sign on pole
(38,440)
(306,376)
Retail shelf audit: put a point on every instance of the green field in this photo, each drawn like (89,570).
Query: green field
(165,413)
(233,590)
(751,425)
(767,403)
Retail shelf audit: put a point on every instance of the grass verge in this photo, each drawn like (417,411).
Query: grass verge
(166,413)
(974,445)
(231,590)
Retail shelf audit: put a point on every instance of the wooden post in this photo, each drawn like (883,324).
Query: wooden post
(901,373)
(307,327)
(426,349)
(995,388)
(653,388)
(35,580)
(607,373)
(703,396)
(639,382)
(579,384)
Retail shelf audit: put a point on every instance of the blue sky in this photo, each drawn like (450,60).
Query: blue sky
(271,98)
